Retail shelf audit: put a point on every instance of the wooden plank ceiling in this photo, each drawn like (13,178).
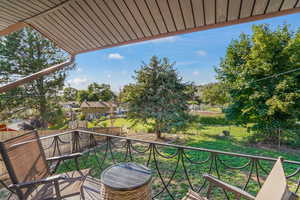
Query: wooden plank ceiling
(83,25)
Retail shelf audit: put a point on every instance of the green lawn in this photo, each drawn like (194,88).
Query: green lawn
(59,126)
(204,133)
(126,123)
(207,136)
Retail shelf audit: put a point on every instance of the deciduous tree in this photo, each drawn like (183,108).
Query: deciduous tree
(214,94)
(96,92)
(70,94)
(255,71)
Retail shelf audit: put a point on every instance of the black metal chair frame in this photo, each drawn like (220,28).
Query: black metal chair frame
(16,186)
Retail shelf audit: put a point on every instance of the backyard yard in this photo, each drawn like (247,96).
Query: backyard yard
(204,132)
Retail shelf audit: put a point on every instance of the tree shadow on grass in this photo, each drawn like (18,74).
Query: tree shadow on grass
(216,120)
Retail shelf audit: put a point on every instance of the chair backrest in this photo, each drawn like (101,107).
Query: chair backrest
(275,186)
(4,178)
(24,159)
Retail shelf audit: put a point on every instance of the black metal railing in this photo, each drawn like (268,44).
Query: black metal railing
(175,168)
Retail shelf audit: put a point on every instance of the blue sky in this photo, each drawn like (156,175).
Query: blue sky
(195,55)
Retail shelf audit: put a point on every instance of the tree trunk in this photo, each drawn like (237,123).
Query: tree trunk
(42,112)
(158,134)
(42,103)
(42,94)
(157,130)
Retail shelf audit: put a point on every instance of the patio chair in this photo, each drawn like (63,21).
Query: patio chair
(30,173)
(274,188)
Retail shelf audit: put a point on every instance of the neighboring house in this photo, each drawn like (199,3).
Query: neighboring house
(95,109)
(16,125)
(194,107)
(69,104)
(77,124)
(121,110)
(3,127)
(69,108)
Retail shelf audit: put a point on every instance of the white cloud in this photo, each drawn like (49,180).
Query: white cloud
(116,56)
(195,73)
(78,81)
(201,53)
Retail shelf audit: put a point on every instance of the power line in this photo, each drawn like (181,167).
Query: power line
(277,75)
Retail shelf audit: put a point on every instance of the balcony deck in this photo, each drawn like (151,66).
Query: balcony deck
(175,168)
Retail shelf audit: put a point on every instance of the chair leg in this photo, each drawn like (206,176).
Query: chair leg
(57,192)
(77,165)
(82,193)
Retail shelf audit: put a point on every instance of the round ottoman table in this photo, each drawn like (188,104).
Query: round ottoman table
(126,181)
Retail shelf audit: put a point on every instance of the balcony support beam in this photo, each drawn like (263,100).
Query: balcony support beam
(13,28)
(36,75)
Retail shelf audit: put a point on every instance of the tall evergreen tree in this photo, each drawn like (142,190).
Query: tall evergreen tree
(21,54)
(159,97)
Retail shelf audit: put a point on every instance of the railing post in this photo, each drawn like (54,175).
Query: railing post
(75,142)
(92,141)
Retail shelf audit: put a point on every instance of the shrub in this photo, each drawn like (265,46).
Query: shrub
(104,124)
(82,116)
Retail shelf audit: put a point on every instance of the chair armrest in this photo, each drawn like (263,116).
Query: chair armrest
(237,191)
(38,182)
(65,157)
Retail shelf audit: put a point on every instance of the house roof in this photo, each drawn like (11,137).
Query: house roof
(84,25)
(96,104)
(69,103)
